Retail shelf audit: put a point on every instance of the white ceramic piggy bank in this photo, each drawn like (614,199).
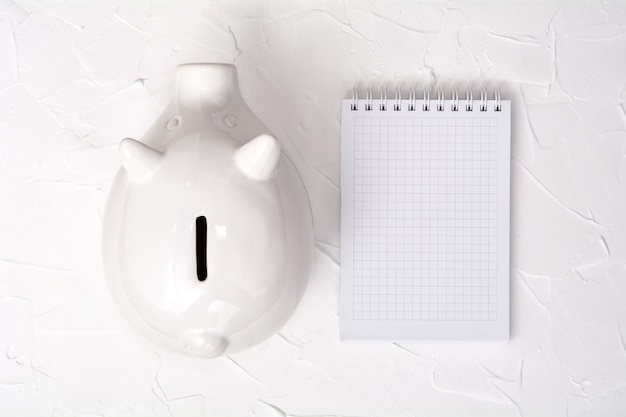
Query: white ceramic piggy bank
(208,236)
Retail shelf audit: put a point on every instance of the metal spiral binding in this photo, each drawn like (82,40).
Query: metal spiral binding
(455,100)
(498,106)
(368,99)
(397,105)
(483,100)
(412,100)
(440,99)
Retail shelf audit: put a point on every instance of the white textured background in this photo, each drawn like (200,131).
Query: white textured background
(77,76)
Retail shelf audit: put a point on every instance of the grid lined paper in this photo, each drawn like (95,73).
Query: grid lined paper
(428,209)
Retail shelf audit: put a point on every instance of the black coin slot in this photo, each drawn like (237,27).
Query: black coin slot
(201,248)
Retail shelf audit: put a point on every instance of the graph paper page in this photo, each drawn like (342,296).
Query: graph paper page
(425,224)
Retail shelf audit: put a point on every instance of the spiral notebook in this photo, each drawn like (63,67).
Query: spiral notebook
(425,219)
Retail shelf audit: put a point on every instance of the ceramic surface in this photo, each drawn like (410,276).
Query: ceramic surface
(208,238)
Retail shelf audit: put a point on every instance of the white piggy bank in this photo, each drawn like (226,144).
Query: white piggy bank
(208,237)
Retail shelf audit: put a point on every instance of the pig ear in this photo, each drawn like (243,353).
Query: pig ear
(258,158)
(138,159)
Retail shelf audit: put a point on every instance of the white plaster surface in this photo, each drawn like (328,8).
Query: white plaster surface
(76,77)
